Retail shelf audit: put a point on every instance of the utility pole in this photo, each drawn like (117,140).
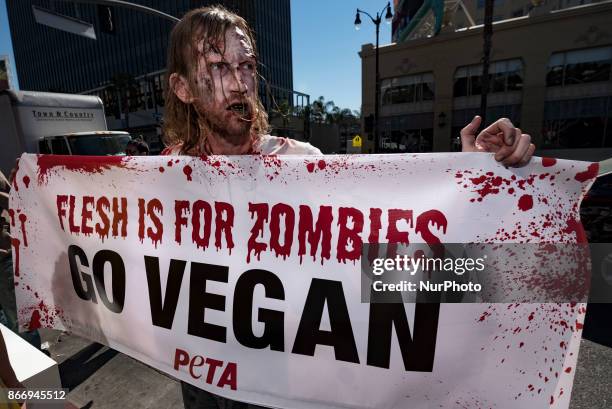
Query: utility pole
(376,21)
(486,59)
(377,93)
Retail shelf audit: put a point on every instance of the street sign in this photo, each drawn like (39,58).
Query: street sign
(64,23)
(357,141)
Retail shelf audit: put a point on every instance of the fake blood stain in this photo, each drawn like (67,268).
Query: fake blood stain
(187,171)
(525,202)
(34,320)
(574,226)
(26,181)
(219,165)
(22,219)
(83,164)
(42,314)
(590,173)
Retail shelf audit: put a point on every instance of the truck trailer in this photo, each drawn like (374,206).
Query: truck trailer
(53,123)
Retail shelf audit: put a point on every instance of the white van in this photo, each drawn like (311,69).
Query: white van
(62,124)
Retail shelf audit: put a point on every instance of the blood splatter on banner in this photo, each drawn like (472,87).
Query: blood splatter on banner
(240,274)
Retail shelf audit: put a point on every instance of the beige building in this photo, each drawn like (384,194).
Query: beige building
(551,74)
(505,9)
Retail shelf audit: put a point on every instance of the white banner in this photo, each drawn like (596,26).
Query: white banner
(240,275)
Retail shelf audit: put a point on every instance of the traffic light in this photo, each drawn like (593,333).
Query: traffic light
(106,19)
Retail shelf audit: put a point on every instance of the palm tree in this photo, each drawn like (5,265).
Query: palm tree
(318,110)
(321,110)
(283,110)
(331,110)
(345,118)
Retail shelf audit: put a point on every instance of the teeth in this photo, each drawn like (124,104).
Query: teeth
(238,108)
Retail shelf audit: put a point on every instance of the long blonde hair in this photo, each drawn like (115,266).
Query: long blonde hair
(182,123)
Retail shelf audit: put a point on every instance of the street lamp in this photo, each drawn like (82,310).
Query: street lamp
(376,21)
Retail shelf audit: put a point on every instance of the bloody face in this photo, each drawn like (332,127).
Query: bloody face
(225,92)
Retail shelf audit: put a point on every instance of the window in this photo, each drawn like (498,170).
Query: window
(59,146)
(427,89)
(460,87)
(407,140)
(43,147)
(100,145)
(579,66)
(498,82)
(475,83)
(515,81)
(504,76)
(406,133)
(554,76)
(578,123)
(409,89)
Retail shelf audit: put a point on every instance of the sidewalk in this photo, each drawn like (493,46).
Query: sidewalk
(101,378)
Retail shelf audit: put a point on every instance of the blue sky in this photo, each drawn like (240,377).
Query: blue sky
(5,42)
(325,47)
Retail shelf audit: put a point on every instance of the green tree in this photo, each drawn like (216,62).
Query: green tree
(283,110)
(321,110)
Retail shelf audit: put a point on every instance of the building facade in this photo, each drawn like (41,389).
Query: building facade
(507,9)
(52,60)
(551,74)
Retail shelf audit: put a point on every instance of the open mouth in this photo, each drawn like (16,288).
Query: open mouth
(239,108)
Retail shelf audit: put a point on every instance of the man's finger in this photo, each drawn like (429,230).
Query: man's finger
(468,135)
(520,150)
(493,142)
(527,156)
(504,126)
(505,150)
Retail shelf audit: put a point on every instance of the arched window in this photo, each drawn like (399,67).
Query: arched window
(407,89)
(579,67)
(505,76)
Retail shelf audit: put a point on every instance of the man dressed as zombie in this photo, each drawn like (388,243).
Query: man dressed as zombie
(212,108)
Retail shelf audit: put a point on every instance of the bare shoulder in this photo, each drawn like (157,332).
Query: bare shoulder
(275,145)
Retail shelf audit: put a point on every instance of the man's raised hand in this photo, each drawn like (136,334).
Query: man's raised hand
(510,145)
